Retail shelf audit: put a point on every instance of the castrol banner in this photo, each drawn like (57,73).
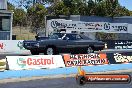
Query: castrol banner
(85,59)
(35,62)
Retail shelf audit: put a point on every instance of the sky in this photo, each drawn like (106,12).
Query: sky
(126,3)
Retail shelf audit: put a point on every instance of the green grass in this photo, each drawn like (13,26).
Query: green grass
(23,33)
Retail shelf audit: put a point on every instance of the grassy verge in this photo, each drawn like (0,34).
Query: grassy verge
(23,33)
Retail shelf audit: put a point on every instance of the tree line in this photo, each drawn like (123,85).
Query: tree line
(33,12)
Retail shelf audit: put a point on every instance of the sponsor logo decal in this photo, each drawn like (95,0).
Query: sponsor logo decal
(2,46)
(21,62)
(119,58)
(34,62)
(20,45)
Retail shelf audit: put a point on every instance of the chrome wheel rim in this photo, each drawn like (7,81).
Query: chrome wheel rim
(89,50)
(50,51)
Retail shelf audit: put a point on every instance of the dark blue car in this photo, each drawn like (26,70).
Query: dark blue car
(65,43)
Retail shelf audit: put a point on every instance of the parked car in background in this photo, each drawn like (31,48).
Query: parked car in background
(65,43)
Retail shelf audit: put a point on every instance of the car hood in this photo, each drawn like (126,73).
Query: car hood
(29,41)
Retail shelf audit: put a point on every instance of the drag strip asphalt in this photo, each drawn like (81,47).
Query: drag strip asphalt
(59,82)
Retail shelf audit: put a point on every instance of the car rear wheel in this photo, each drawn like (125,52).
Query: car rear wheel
(90,50)
(33,52)
(49,51)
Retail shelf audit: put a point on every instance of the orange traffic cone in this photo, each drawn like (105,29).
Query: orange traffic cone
(81,72)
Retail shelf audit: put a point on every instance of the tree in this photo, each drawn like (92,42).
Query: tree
(121,11)
(10,6)
(82,9)
(19,17)
(106,36)
(130,13)
(59,9)
(36,16)
(76,7)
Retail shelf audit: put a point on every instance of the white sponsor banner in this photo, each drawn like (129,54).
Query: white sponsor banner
(34,62)
(122,58)
(91,26)
(106,27)
(55,24)
(130,28)
(12,46)
(116,27)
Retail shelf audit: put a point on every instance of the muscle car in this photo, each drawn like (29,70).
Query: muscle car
(66,43)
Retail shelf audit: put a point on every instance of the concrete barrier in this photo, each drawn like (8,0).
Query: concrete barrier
(12,46)
(63,71)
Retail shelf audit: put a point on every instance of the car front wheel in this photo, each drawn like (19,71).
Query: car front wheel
(33,52)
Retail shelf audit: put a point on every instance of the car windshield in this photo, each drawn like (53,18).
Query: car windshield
(71,36)
(56,36)
(85,37)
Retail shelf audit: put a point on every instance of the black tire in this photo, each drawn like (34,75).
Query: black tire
(50,51)
(81,80)
(90,50)
(101,49)
(33,52)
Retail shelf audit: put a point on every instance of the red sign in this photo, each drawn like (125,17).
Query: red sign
(85,59)
(104,78)
(107,78)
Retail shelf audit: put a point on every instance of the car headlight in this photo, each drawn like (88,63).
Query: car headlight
(25,44)
(37,44)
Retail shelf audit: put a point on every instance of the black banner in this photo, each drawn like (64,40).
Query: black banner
(118,44)
(118,58)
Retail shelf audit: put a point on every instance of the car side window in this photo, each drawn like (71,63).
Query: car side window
(54,37)
(78,37)
(71,37)
(65,38)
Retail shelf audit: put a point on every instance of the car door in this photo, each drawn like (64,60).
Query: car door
(70,43)
(79,44)
(61,45)
(82,44)
(66,44)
